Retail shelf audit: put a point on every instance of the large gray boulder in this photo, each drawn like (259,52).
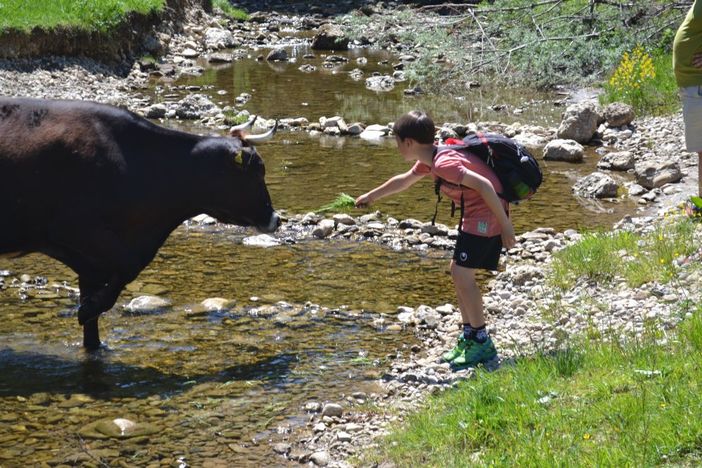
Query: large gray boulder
(277,55)
(380,83)
(596,185)
(654,174)
(330,37)
(564,150)
(579,122)
(619,161)
(618,114)
(218,38)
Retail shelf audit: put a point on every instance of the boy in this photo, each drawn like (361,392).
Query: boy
(484,229)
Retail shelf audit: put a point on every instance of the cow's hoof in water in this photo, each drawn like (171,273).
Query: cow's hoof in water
(95,347)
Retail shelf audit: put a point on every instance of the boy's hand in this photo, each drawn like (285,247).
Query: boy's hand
(508,238)
(363,201)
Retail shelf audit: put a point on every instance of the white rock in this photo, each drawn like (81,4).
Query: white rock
(147,304)
(261,240)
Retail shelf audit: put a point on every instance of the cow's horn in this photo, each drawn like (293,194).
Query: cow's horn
(244,126)
(263,136)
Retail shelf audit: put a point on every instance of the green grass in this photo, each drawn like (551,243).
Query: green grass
(591,404)
(90,15)
(230,11)
(637,258)
(341,203)
(235,118)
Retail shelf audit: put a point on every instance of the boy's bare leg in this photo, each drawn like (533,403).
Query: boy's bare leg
(470,299)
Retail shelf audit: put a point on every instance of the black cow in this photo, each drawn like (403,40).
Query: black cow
(100,189)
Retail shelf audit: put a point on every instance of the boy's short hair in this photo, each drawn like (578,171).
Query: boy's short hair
(416,125)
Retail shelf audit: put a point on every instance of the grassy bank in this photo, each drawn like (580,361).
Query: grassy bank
(637,258)
(589,405)
(93,15)
(612,402)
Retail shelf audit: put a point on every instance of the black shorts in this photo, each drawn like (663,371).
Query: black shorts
(473,251)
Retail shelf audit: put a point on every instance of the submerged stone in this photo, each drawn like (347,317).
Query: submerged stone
(121,428)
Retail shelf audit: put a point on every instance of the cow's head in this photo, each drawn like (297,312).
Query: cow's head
(239,195)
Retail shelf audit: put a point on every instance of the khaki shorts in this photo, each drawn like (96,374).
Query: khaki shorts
(692,116)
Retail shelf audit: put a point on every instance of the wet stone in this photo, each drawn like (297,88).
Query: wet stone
(75,401)
(121,428)
(281,448)
(147,305)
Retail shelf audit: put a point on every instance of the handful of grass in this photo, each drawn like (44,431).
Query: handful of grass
(342,202)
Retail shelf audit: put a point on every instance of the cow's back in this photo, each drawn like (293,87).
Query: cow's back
(54,156)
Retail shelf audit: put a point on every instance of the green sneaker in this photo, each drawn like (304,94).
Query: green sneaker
(457,350)
(692,208)
(474,354)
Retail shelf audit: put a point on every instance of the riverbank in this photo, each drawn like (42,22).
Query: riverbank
(338,430)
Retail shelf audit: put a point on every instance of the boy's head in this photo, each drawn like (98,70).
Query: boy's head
(416,125)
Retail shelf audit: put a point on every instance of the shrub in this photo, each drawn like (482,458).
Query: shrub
(644,81)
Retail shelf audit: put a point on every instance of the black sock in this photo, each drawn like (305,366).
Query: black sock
(468,331)
(480,334)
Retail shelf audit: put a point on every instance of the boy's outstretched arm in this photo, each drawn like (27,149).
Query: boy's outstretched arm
(391,186)
(487,191)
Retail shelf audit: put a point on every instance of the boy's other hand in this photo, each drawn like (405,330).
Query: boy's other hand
(508,238)
(363,201)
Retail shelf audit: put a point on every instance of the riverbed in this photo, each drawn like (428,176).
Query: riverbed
(304,321)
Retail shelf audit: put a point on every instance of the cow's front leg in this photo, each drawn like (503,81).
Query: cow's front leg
(99,299)
(91,335)
(91,332)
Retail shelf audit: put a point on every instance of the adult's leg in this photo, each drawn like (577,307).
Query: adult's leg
(470,299)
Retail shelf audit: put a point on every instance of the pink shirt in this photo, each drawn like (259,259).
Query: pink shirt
(451,166)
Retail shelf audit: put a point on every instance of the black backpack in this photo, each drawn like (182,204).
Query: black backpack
(514,166)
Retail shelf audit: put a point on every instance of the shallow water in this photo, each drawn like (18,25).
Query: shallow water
(219,386)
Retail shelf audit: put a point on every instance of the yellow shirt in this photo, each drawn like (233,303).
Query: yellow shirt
(688,42)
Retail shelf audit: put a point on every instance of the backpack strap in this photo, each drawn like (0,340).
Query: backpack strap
(437,190)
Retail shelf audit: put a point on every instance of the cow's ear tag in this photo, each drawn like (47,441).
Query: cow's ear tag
(239,159)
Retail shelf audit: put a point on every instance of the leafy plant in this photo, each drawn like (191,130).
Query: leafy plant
(342,202)
(645,81)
